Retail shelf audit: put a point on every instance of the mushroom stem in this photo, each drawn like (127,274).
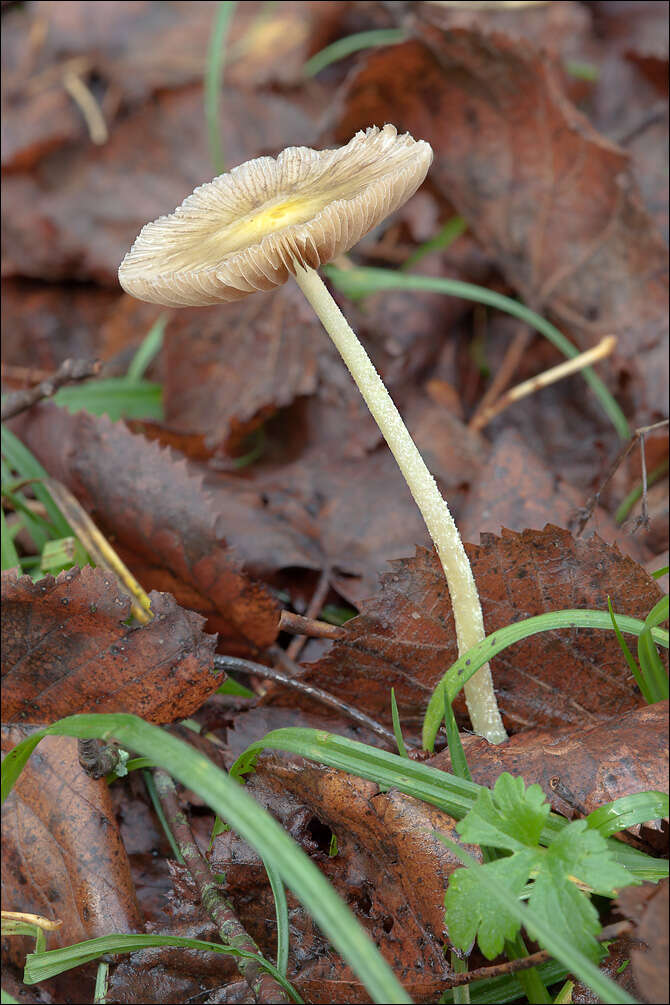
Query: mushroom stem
(479,694)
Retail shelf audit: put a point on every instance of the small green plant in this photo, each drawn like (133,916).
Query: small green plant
(556,881)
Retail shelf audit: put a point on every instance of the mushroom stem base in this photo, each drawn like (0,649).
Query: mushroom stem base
(479,693)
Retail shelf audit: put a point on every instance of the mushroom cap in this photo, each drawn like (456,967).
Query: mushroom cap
(248,229)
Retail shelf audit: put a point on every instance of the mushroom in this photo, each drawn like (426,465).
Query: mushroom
(249,230)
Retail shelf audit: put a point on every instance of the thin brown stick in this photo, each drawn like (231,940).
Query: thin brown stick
(504,375)
(526,962)
(263,985)
(639,434)
(234,664)
(67,373)
(315,605)
(310,628)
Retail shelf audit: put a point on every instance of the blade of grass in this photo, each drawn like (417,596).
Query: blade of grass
(459,764)
(216,57)
(10,556)
(150,346)
(42,966)
(227,798)
(652,667)
(499,990)
(628,656)
(397,731)
(456,796)
(352,43)
(116,397)
(468,664)
(627,504)
(446,235)
(27,466)
(639,808)
(281,912)
(362,281)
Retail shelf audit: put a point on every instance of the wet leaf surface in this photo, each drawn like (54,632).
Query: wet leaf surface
(595,764)
(647,907)
(389,866)
(62,854)
(404,636)
(67,649)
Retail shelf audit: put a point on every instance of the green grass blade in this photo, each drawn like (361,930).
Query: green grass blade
(651,665)
(42,966)
(10,556)
(397,730)
(445,236)
(627,811)
(500,990)
(216,56)
(571,957)
(352,43)
(116,397)
(27,466)
(459,764)
(469,663)
(360,282)
(151,345)
(627,504)
(456,796)
(659,573)
(281,912)
(254,824)
(628,656)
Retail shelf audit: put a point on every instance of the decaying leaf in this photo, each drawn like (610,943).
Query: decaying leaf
(229,370)
(385,861)
(404,636)
(594,763)
(647,907)
(552,200)
(163,522)
(62,854)
(66,649)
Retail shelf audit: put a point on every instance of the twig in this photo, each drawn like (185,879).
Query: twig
(550,376)
(526,962)
(315,605)
(507,368)
(234,664)
(638,434)
(67,373)
(262,984)
(297,624)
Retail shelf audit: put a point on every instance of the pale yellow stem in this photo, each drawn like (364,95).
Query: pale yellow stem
(479,694)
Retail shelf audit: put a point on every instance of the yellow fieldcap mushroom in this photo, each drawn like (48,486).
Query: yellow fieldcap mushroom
(249,230)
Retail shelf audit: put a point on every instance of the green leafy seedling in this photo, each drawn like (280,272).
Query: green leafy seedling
(556,881)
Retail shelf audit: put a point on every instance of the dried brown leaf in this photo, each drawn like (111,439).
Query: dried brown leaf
(66,649)
(62,854)
(404,636)
(552,200)
(595,764)
(390,868)
(163,521)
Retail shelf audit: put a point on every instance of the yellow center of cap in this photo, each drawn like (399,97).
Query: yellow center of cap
(256,225)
